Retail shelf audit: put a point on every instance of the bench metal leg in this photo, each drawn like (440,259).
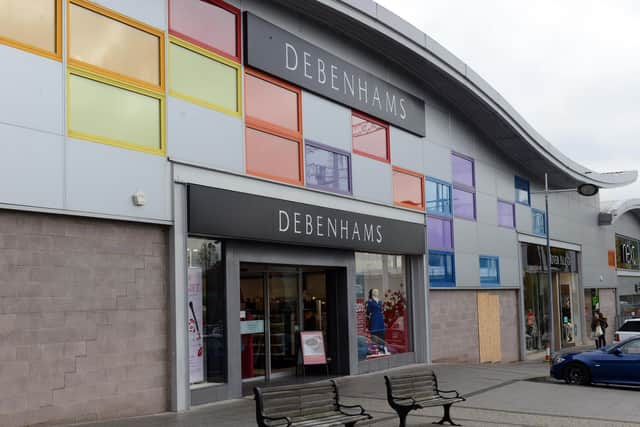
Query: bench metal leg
(350,424)
(403,418)
(446,418)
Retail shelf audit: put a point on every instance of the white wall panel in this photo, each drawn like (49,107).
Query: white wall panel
(326,122)
(407,150)
(372,179)
(151,12)
(437,161)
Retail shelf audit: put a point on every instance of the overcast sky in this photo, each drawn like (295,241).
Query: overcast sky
(571,68)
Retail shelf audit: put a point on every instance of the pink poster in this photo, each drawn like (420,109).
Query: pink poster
(313,348)
(196,351)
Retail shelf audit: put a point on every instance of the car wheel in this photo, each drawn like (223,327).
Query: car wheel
(577,374)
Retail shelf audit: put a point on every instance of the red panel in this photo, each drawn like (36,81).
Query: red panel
(272,157)
(370,137)
(408,189)
(271,103)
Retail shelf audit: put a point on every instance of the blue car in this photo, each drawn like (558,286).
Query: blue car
(615,364)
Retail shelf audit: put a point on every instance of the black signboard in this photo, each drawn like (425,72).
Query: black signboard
(627,253)
(230,214)
(280,53)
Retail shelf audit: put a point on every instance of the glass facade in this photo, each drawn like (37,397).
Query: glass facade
(464,204)
(464,182)
(489,270)
(523,194)
(438,197)
(370,137)
(327,168)
(441,269)
(463,171)
(539,222)
(439,233)
(506,214)
(408,189)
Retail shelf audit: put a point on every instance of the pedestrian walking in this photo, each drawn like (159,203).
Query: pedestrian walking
(599,328)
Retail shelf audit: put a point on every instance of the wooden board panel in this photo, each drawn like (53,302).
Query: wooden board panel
(489,327)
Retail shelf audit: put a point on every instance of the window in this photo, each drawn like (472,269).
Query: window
(327,168)
(211,24)
(206,311)
(370,137)
(522,191)
(506,214)
(489,270)
(464,197)
(632,347)
(203,78)
(408,189)
(382,301)
(274,128)
(33,26)
(441,269)
(109,43)
(439,233)
(539,222)
(438,197)
(631,326)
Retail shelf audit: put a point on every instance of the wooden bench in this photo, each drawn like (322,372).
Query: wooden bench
(418,390)
(305,405)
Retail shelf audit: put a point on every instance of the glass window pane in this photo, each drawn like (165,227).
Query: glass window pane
(383,308)
(272,156)
(464,204)
(108,112)
(539,223)
(202,78)
(441,269)
(506,217)
(206,312)
(489,270)
(115,46)
(369,137)
(206,23)
(462,169)
(407,190)
(327,169)
(439,233)
(271,103)
(522,190)
(31,22)
(438,197)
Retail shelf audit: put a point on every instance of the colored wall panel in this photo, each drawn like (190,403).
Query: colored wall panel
(271,103)
(408,190)
(111,114)
(327,169)
(370,138)
(271,156)
(31,22)
(151,12)
(112,45)
(439,233)
(201,79)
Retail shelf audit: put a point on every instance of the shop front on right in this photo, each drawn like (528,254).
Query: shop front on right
(565,294)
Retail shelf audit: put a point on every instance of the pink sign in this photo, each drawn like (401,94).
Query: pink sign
(313,348)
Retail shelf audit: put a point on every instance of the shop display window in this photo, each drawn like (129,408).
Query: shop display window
(441,269)
(206,312)
(439,233)
(438,197)
(464,197)
(489,270)
(370,137)
(34,26)
(327,168)
(506,214)
(109,43)
(539,222)
(383,306)
(522,191)
(464,204)
(211,24)
(408,190)
(203,78)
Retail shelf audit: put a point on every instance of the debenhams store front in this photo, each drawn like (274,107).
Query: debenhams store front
(262,270)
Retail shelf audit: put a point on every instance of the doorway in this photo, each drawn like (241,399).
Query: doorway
(277,302)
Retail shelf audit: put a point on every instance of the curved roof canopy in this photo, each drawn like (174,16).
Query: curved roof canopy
(610,211)
(443,74)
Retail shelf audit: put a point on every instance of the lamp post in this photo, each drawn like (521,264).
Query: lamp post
(587,190)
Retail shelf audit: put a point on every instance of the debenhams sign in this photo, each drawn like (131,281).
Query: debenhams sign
(229,214)
(271,49)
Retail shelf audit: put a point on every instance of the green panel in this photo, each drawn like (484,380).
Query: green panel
(113,114)
(201,78)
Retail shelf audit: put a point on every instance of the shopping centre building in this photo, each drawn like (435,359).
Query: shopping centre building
(190,184)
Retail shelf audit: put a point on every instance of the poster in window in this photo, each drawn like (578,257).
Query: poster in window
(313,348)
(196,351)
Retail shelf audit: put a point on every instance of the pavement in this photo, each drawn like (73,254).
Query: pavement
(503,394)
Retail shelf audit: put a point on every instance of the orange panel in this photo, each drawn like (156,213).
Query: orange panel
(408,189)
(370,137)
(32,23)
(271,103)
(272,157)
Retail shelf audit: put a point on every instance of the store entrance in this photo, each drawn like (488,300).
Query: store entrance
(277,302)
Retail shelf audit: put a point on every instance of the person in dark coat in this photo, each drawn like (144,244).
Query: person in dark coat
(599,328)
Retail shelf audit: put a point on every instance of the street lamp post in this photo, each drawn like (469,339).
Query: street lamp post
(586,190)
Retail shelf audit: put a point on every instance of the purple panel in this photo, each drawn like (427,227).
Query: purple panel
(462,169)
(464,204)
(327,168)
(506,216)
(439,235)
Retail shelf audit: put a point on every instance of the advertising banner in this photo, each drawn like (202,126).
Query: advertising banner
(196,350)
(313,348)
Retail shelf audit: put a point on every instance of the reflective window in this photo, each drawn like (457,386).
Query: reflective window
(489,270)
(506,214)
(633,326)
(272,156)
(439,233)
(327,169)
(464,197)
(383,309)
(272,103)
(119,46)
(632,347)
(464,204)
(212,24)
(522,191)
(539,222)
(438,197)
(32,25)
(370,137)
(441,269)
(462,169)
(407,189)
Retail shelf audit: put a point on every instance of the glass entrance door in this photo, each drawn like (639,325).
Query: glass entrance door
(283,324)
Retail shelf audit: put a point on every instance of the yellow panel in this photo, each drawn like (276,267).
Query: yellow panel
(110,114)
(112,45)
(202,79)
(489,327)
(32,22)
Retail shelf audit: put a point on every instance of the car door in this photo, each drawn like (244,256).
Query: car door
(605,367)
(629,362)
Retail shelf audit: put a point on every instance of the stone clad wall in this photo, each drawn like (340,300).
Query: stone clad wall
(454,326)
(83,319)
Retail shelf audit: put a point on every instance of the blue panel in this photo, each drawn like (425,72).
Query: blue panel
(539,223)
(489,270)
(522,191)
(438,197)
(441,269)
